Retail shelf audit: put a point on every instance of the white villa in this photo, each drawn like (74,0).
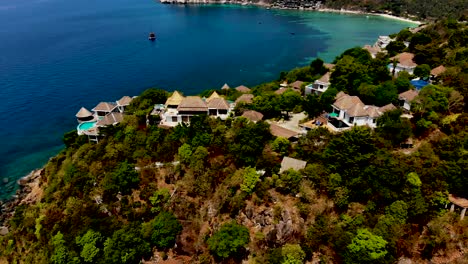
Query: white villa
(404,63)
(319,86)
(180,109)
(349,111)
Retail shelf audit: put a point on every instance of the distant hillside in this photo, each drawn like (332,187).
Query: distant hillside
(421,9)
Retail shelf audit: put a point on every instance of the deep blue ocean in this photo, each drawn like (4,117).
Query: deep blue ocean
(59,55)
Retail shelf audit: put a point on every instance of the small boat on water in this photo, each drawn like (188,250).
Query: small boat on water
(152,36)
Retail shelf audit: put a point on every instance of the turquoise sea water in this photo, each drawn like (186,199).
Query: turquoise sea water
(59,55)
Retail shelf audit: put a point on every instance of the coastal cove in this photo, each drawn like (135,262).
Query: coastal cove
(73,54)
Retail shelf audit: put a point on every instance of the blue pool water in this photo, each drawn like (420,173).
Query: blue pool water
(419,84)
(86,125)
(58,55)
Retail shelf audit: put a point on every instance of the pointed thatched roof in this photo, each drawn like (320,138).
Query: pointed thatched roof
(212,96)
(124,101)
(192,104)
(104,107)
(175,99)
(290,163)
(245,98)
(218,103)
(243,89)
(225,87)
(83,113)
(253,115)
(110,119)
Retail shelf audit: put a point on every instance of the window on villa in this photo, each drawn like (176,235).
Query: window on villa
(351,119)
(174,119)
(222,112)
(374,120)
(185,119)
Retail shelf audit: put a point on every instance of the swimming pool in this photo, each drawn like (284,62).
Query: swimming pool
(86,126)
(419,84)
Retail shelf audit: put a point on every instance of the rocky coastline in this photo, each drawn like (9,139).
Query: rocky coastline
(29,191)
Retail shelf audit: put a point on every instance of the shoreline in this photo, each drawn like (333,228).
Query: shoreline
(269,6)
(29,192)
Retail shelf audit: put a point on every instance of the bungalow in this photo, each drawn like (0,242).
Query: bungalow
(406,98)
(253,116)
(279,131)
(189,106)
(243,89)
(404,62)
(104,108)
(291,163)
(437,71)
(218,107)
(123,103)
(110,119)
(350,110)
(84,115)
(319,86)
(373,50)
(245,98)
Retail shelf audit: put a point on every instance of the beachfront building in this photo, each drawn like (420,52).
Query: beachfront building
(404,62)
(319,86)
(180,109)
(406,98)
(350,111)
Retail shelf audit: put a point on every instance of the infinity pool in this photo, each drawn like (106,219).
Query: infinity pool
(86,125)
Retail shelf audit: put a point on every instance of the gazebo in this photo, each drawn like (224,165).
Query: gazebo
(84,115)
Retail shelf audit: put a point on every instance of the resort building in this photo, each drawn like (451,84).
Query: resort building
(288,134)
(245,98)
(404,62)
(123,103)
(253,116)
(104,108)
(437,71)
(350,111)
(406,98)
(295,86)
(243,89)
(180,109)
(84,115)
(104,114)
(319,86)
(373,50)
